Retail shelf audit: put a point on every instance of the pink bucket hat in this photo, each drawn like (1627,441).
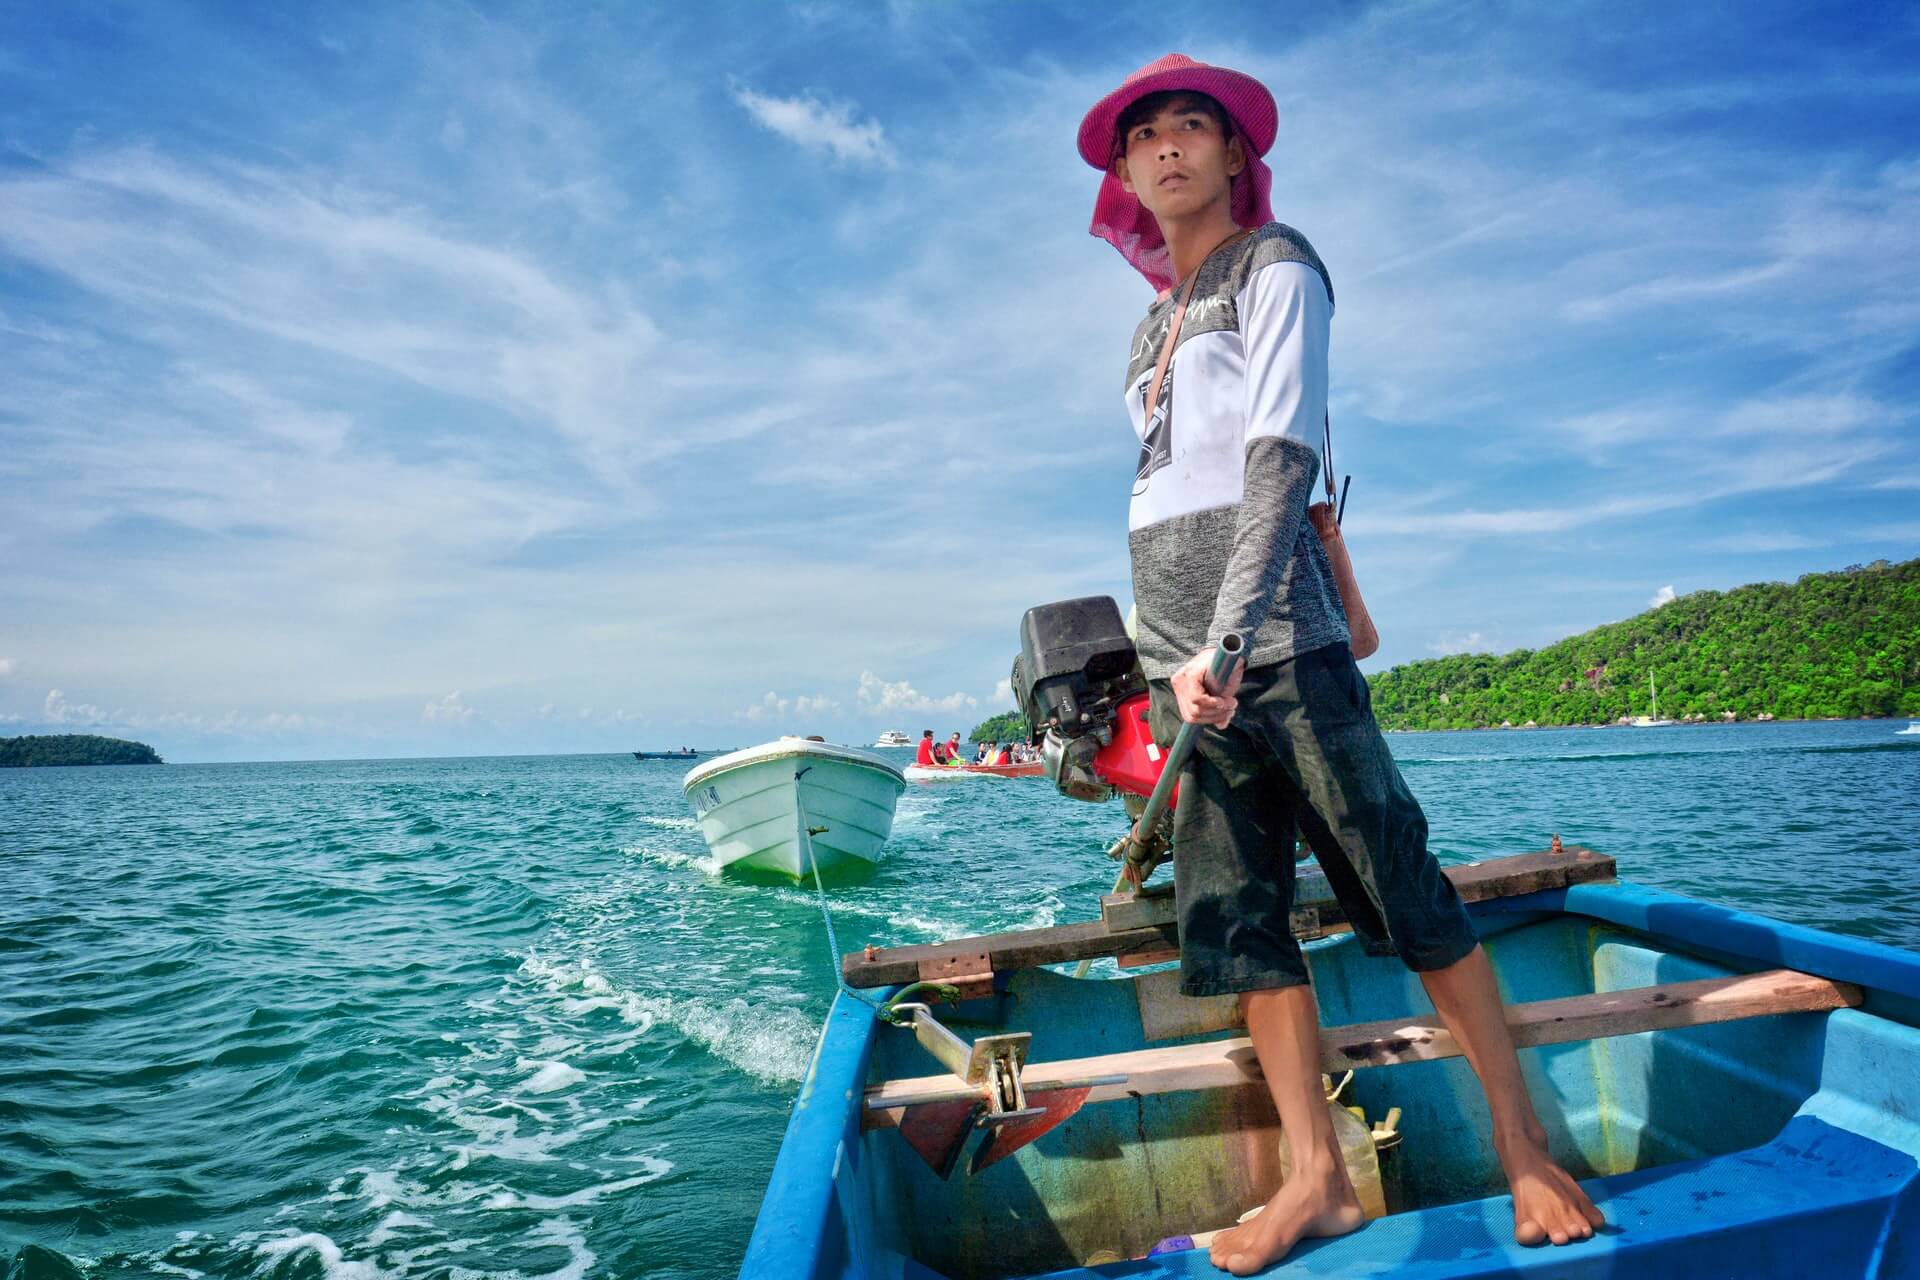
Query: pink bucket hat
(1120,219)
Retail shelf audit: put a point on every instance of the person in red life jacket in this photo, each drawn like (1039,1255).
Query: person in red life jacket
(954,754)
(925,754)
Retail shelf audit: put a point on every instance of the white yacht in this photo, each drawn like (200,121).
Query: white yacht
(1653,721)
(894,738)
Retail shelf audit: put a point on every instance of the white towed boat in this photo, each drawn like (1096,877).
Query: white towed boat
(755,806)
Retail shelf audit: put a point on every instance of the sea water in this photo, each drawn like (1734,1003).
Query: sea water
(497,1017)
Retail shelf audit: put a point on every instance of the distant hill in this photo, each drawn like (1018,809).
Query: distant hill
(1843,644)
(1008,726)
(73,748)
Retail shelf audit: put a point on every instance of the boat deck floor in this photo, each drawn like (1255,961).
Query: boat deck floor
(1816,1201)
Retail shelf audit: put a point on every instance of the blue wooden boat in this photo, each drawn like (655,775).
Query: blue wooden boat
(666,755)
(1740,1096)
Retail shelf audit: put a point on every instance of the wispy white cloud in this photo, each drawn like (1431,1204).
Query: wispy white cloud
(58,710)
(877,695)
(820,124)
(6,666)
(1902,531)
(1763,540)
(450,709)
(1664,595)
(774,707)
(1451,642)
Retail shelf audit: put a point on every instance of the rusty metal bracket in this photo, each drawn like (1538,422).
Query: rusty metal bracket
(990,1096)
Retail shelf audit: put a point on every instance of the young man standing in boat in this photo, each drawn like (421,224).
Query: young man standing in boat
(1222,543)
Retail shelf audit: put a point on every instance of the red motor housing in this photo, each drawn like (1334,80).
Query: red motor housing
(1132,762)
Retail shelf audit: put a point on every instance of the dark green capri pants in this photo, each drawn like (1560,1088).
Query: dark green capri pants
(1303,751)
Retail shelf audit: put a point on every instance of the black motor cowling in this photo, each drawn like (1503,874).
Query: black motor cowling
(1076,664)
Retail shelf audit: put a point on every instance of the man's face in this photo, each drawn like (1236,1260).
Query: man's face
(1179,162)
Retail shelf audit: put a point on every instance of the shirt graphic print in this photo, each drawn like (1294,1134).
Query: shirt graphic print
(1156,445)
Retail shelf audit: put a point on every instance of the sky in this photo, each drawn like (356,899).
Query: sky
(428,379)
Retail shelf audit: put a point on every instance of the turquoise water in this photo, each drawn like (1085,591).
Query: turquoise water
(490,1017)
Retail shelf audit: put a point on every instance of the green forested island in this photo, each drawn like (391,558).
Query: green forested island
(1843,644)
(73,748)
(1008,726)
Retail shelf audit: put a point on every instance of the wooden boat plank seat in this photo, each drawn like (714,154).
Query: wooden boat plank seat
(1031,948)
(1220,1064)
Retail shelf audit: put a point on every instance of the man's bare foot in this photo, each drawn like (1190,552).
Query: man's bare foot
(1314,1202)
(1547,1203)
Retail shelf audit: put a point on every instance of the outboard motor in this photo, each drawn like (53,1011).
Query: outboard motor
(1079,683)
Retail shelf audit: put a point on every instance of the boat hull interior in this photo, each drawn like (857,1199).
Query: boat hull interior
(1777,1145)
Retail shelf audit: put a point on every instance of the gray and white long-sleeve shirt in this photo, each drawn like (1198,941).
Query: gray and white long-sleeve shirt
(1218,524)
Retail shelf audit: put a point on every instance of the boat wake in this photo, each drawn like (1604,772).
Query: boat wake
(673,858)
(671,824)
(770,1044)
(840,906)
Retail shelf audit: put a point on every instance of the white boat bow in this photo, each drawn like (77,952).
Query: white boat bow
(758,809)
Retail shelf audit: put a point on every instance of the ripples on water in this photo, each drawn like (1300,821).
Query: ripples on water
(462,1018)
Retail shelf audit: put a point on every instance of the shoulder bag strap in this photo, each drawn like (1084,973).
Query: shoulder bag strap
(1173,326)
(1326,456)
(1166,348)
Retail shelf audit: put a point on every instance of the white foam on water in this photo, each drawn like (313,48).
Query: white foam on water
(1043,914)
(332,1264)
(655,1170)
(870,911)
(771,1045)
(706,866)
(497,1137)
(381,1188)
(391,1226)
(774,1045)
(671,824)
(550,1076)
(403,1259)
(559,1231)
(166,1268)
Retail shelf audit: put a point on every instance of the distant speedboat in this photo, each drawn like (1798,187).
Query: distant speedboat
(1913,727)
(942,772)
(894,738)
(758,808)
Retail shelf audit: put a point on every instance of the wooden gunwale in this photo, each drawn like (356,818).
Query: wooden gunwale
(1032,948)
